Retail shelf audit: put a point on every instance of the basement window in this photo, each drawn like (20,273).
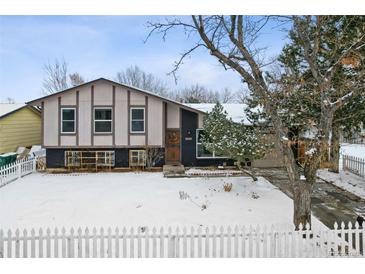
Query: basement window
(103,120)
(68,119)
(137,158)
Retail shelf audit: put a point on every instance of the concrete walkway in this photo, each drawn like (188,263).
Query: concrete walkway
(330,204)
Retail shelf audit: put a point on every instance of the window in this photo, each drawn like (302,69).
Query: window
(68,118)
(137,120)
(137,158)
(103,120)
(201,151)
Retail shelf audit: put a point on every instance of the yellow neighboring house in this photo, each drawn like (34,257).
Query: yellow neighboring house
(20,126)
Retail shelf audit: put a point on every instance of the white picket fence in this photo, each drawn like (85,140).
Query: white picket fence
(239,242)
(16,170)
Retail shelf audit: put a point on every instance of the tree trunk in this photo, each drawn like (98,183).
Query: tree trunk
(302,203)
(335,149)
(248,172)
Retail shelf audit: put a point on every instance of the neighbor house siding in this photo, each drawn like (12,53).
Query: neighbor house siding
(21,128)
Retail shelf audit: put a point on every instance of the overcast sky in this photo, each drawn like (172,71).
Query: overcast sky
(100,46)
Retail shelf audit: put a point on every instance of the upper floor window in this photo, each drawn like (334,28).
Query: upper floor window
(68,120)
(103,120)
(137,120)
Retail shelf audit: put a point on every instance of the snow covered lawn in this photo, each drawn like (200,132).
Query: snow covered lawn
(345,180)
(355,150)
(139,199)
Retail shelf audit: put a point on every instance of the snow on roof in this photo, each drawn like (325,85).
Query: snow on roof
(6,108)
(235,111)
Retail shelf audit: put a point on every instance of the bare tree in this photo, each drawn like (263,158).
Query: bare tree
(136,77)
(9,100)
(231,40)
(55,77)
(153,156)
(241,96)
(226,96)
(76,79)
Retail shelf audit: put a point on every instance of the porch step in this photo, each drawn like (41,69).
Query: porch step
(173,171)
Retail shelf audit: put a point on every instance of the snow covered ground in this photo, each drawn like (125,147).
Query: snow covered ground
(355,150)
(139,199)
(345,180)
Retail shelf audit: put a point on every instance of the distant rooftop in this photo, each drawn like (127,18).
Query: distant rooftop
(235,111)
(6,108)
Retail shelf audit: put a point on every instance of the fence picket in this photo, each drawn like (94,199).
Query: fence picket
(17,243)
(79,243)
(229,242)
(63,243)
(185,243)
(48,243)
(25,244)
(102,243)
(357,239)
(2,244)
(40,243)
(139,243)
(131,244)
(124,239)
(192,242)
(147,243)
(87,243)
(177,243)
(349,229)
(257,240)
(221,242)
(154,242)
(235,242)
(55,251)
(161,243)
(214,242)
(32,243)
(116,243)
(200,252)
(109,248)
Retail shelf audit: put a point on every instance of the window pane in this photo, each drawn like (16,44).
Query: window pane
(68,114)
(68,126)
(202,152)
(137,126)
(103,126)
(103,114)
(137,114)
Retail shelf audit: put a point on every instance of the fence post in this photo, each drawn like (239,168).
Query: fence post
(1,243)
(34,167)
(18,170)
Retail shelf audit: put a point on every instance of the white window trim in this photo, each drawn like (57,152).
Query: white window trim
(205,157)
(131,119)
(111,120)
(62,120)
